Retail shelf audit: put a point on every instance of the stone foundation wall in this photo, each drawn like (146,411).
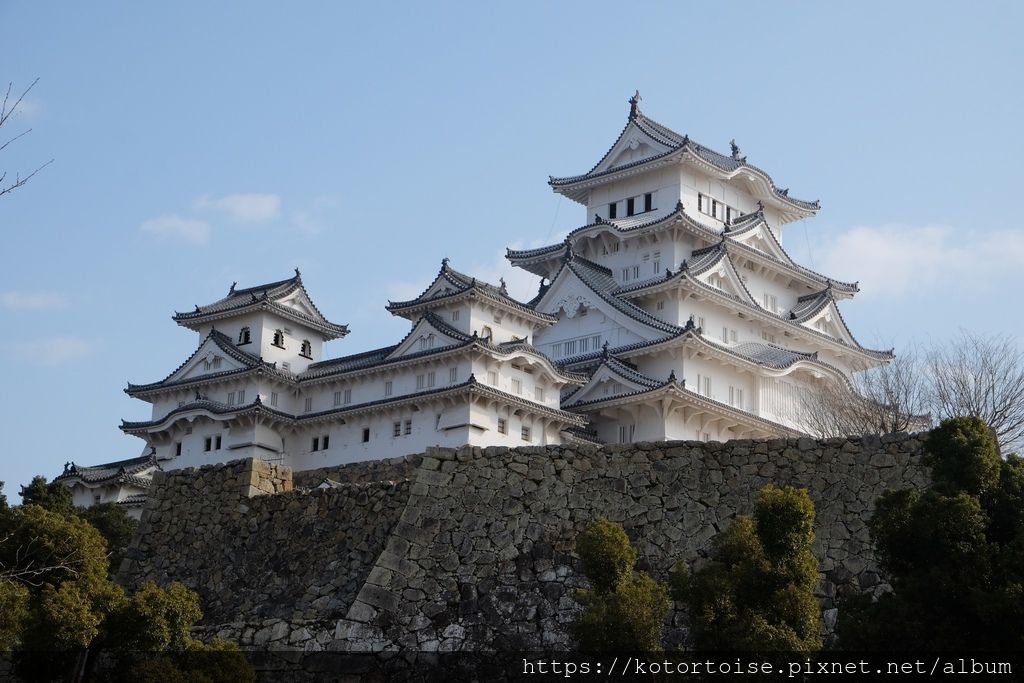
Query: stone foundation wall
(476,551)
(388,469)
(293,555)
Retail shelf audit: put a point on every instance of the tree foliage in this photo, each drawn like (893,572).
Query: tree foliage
(955,553)
(53,496)
(59,608)
(757,593)
(110,519)
(624,610)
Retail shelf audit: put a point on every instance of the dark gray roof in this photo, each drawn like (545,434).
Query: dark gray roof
(677,142)
(136,500)
(730,234)
(769,355)
(258,406)
(462,284)
(224,343)
(599,279)
(381,357)
(118,472)
(651,385)
(263,297)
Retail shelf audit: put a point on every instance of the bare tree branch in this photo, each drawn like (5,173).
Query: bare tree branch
(5,115)
(889,398)
(982,376)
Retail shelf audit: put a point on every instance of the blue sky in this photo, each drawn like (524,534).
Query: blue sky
(197,144)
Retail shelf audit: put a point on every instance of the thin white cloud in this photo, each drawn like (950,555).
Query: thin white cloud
(317,217)
(244,208)
(52,351)
(30,301)
(168,225)
(918,261)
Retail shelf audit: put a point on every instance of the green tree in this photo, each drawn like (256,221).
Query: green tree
(53,496)
(59,608)
(623,610)
(110,519)
(954,552)
(115,525)
(757,593)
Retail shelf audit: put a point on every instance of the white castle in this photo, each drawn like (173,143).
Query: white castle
(673,313)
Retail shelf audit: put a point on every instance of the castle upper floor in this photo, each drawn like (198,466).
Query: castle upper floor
(650,169)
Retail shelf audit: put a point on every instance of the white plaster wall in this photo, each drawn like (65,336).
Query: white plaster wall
(662,183)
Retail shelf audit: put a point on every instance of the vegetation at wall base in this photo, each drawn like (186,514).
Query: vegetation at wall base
(954,551)
(61,613)
(757,593)
(623,610)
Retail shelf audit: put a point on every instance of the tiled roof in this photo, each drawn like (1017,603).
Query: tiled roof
(201,403)
(120,472)
(136,500)
(224,343)
(671,385)
(751,221)
(263,296)
(380,357)
(678,143)
(585,435)
(770,355)
(257,406)
(599,279)
(623,370)
(461,284)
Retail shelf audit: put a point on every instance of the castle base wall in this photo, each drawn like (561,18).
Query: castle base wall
(476,547)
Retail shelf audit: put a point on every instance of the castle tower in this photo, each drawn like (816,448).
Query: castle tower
(679,301)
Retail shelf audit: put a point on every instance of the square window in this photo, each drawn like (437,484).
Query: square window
(525,433)
(273,398)
(517,385)
(366,434)
(502,426)
(387,388)
(218,443)
(241,397)
(613,210)
(316,443)
(430,378)
(538,394)
(630,206)
(208,444)
(396,429)
(492,378)
(408,427)
(177,448)
(455,316)
(337,398)
(648,202)
(348,396)
(453,375)
(309,404)
(231,398)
